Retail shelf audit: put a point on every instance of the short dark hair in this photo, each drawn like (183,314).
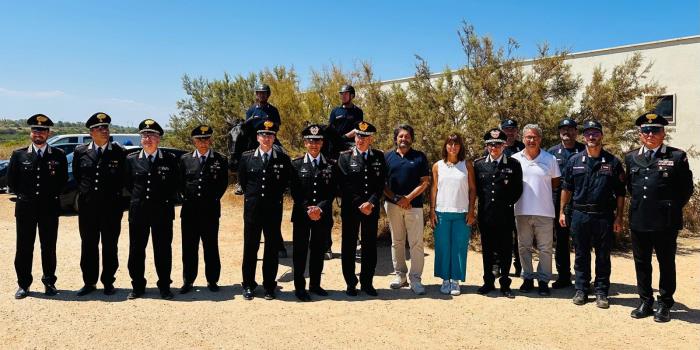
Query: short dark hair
(405,127)
(457,139)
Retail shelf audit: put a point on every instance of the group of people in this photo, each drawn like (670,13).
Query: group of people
(520,196)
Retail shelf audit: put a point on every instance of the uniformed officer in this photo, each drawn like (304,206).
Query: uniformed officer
(254,117)
(660,184)
(362,172)
(313,188)
(342,121)
(264,175)
(594,183)
(204,177)
(152,177)
(499,183)
(37,175)
(568,131)
(513,145)
(98,169)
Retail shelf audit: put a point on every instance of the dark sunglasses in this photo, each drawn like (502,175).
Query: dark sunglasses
(651,129)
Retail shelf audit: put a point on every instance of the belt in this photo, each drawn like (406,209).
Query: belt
(591,208)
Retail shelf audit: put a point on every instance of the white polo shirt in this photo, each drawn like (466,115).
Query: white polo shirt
(537,184)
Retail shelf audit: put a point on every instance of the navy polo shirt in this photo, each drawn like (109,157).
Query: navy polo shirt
(404,173)
(343,119)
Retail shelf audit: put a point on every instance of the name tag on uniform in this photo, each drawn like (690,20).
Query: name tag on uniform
(665,162)
(507,171)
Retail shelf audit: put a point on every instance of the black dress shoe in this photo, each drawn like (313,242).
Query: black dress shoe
(485,289)
(643,310)
(602,301)
(282,253)
(303,296)
(110,290)
(351,291)
(543,289)
(527,286)
(50,290)
(580,298)
(134,294)
(248,293)
(507,292)
(270,295)
(318,291)
(213,287)
(186,288)
(369,290)
(663,313)
(561,283)
(21,293)
(86,290)
(166,294)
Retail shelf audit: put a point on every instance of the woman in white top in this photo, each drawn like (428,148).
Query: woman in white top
(452,213)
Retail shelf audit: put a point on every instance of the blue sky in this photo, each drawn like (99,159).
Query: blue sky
(73,58)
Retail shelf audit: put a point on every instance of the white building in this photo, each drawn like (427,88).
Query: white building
(676,65)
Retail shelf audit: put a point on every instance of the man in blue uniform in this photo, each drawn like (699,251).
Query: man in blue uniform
(568,131)
(313,188)
(98,169)
(264,175)
(152,177)
(594,183)
(204,178)
(362,173)
(660,184)
(37,175)
(499,183)
(342,120)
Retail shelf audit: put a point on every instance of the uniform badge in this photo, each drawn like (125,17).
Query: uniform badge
(363,126)
(41,119)
(505,181)
(149,122)
(268,124)
(101,116)
(651,117)
(314,130)
(203,129)
(495,134)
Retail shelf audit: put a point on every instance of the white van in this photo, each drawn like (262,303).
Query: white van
(122,139)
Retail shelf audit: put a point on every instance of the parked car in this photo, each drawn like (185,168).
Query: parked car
(122,139)
(3,175)
(70,196)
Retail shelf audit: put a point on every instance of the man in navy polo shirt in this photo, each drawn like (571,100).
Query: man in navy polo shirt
(408,176)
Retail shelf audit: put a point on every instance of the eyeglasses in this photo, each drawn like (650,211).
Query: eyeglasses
(150,136)
(651,129)
(100,127)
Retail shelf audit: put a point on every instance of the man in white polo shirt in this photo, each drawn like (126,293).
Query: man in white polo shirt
(534,211)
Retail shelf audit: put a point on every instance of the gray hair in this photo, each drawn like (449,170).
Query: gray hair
(533,127)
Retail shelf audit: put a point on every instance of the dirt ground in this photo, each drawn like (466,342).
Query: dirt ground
(395,319)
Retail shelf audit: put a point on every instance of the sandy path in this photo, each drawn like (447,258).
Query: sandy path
(395,319)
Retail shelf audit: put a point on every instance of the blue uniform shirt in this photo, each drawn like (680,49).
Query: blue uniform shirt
(595,180)
(256,114)
(343,119)
(404,173)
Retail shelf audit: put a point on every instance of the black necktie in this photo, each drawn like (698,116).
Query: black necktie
(39,153)
(364,155)
(150,158)
(315,163)
(99,152)
(202,159)
(265,159)
(649,154)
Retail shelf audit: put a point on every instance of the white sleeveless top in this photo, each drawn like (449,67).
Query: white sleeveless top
(453,188)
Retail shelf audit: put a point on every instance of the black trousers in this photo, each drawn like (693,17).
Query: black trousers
(664,243)
(95,223)
(365,226)
(592,231)
(516,253)
(140,227)
(26,235)
(496,242)
(269,226)
(562,252)
(204,226)
(309,238)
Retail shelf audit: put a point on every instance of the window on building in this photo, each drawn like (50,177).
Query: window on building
(665,106)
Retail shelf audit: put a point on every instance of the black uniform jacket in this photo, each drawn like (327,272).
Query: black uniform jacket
(263,186)
(100,180)
(203,185)
(313,186)
(153,184)
(361,180)
(37,182)
(498,187)
(659,188)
